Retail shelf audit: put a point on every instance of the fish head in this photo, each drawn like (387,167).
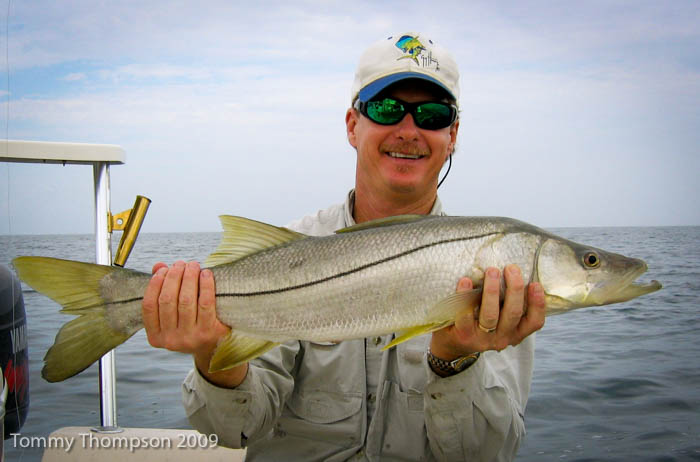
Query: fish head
(574,276)
(410,44)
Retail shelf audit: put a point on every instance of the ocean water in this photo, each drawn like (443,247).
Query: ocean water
(617,383)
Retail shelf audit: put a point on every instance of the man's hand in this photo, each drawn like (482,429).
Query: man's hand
(179,314)
(512,323)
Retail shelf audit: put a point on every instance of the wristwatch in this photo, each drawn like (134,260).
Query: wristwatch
(447,368)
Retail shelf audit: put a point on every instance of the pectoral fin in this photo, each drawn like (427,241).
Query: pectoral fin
(415,332)
(454,304)
(443,314)
(237,349)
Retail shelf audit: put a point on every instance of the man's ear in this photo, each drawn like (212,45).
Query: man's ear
(351,120)
(454,129)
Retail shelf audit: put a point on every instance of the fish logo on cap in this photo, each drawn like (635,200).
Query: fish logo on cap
(410,45)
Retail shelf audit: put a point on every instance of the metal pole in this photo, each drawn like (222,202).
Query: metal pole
(103,256)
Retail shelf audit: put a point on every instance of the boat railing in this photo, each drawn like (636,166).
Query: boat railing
(101,157)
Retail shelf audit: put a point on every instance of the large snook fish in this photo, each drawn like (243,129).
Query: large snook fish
(391,275)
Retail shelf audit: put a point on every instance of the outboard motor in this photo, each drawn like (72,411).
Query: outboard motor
(14,354)
(3,398)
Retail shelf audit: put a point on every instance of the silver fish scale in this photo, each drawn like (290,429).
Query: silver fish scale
(116,287)
(363,283)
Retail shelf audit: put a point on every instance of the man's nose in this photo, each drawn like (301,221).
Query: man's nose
(406,128)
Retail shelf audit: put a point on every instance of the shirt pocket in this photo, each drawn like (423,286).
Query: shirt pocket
(325,407)
(332,368)
(398,427)
(410,361)
(331,417)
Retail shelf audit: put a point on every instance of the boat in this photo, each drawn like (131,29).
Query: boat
(108,441)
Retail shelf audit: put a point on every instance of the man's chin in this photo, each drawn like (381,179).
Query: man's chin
(406,182)
(403,187)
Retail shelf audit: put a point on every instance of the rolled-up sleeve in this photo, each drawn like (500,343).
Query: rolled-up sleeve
(248,411)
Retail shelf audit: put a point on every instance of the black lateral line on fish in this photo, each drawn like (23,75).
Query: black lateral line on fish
(329,278)
(354,270)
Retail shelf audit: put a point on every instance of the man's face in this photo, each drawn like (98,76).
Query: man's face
(381,163)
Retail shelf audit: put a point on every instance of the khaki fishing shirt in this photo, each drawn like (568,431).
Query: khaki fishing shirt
(306,401)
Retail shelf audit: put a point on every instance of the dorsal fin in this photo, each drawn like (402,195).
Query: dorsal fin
(244,237)
(381,222)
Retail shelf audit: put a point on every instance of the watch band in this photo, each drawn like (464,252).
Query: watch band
(445,368)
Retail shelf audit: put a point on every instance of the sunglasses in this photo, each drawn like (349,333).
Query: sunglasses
(428,115)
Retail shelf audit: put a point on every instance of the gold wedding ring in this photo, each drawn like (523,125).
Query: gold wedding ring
(483,329)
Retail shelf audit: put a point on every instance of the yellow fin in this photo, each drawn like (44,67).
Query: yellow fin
(381,222)
(442,315)
(244,237)
(237,349)
(455,303)
(73,284)
(416,331)
(80,343)
(79,287)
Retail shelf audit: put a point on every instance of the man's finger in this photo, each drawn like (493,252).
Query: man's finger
(514,300)
(465,319)
(158,266)
(169,294)
(490,306)
(149,307)
(206,316)
(536,310)
(464,284)
(187,298)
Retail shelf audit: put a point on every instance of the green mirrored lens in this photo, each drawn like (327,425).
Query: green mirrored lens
(429,116)
(432,115)
(386,111)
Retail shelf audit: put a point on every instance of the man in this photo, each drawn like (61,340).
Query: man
(457,394)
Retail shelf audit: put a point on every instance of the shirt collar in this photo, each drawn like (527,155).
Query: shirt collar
(350,205)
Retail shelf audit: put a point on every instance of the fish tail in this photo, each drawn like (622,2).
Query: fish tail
(99,295)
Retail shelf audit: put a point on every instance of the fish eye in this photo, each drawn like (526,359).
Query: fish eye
(591,260)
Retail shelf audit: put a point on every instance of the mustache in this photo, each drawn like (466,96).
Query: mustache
(407,148)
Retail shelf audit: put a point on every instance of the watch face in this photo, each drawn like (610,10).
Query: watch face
(452,367)
(462,363)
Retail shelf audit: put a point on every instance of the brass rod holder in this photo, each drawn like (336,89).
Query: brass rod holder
(130,221)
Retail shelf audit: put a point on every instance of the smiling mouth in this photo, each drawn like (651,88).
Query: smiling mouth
(402,155)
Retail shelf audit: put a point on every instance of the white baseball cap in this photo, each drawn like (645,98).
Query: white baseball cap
(400,57)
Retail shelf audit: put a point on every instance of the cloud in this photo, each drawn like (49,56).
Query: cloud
(224,31)
(75,77)
(231,108)
(140,72)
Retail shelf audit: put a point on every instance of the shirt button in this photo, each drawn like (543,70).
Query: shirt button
(377,340)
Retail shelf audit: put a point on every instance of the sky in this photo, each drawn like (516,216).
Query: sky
(572,113)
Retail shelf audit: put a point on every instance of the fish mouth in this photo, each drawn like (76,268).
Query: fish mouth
(628,288)
(636,289)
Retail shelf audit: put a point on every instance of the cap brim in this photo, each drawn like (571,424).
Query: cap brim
(371,90)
